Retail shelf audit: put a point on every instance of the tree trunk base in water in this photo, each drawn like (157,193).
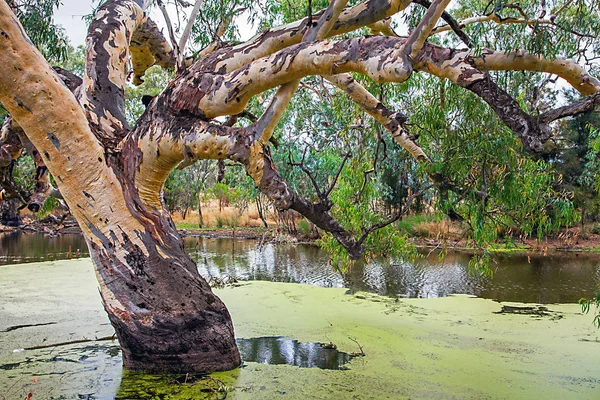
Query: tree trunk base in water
(182,344)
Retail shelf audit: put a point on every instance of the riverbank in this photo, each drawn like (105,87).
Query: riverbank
(453,347)
(569,240)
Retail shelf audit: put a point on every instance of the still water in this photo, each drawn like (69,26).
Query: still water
(556,278)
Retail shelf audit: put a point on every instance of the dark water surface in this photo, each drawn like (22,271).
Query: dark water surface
(556,278)
(281,350)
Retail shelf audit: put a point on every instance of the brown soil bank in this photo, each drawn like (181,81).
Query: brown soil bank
(455,347)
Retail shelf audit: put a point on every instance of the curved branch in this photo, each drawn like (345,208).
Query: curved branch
(453,64)
(466,71)
(519,60)
(119,29)
(149,47)
(275,39)
(211,95)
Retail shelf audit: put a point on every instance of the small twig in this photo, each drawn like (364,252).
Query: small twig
(165,14)
(395,217)
(186,34)
(307,172)
(362,352)
(337,175)
(47,346)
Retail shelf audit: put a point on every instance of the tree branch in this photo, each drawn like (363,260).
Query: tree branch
(578,107)
(149,47)
(392,121)
(103,91)
(210,95)
(165,13)
(452,24)
(268,121)
(395,217)
(417,38)
(186,34)
(466,71)
(275,39)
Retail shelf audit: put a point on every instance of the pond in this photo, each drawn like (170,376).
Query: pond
(558,278)
(307,341)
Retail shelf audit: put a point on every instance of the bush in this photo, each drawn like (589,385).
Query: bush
(304,227)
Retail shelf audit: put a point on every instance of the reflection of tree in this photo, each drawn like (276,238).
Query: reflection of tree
(275,350)
(31,247)
(535,279)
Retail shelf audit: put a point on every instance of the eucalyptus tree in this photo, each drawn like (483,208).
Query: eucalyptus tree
(111,172)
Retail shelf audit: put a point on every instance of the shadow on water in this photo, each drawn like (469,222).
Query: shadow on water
(97,368)
(279,350)
(264,350)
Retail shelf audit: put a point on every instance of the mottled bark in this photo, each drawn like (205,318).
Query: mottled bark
(149,286)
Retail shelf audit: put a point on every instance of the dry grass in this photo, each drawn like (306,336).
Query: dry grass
(443,229)
(226,218)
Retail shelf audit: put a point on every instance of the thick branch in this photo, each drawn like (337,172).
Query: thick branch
(519,60)
(103,94)
(149,47)
(466,71)
(211,95)
(275,39)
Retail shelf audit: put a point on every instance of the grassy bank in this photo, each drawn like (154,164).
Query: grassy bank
(431,230)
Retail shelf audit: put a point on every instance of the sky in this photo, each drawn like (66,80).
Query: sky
(70,14)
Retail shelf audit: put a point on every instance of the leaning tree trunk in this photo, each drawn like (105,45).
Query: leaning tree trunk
(165,315)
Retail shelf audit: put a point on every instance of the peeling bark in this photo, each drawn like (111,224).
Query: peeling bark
(149,286)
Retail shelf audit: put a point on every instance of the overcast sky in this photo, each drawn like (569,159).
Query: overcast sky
(70,14)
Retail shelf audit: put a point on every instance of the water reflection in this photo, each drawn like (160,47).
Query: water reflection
(559,278)
(278,350)
(33,247)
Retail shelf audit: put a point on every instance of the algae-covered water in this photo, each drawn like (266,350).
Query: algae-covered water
(451,347)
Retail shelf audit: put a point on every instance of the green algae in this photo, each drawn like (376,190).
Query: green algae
(453,347)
